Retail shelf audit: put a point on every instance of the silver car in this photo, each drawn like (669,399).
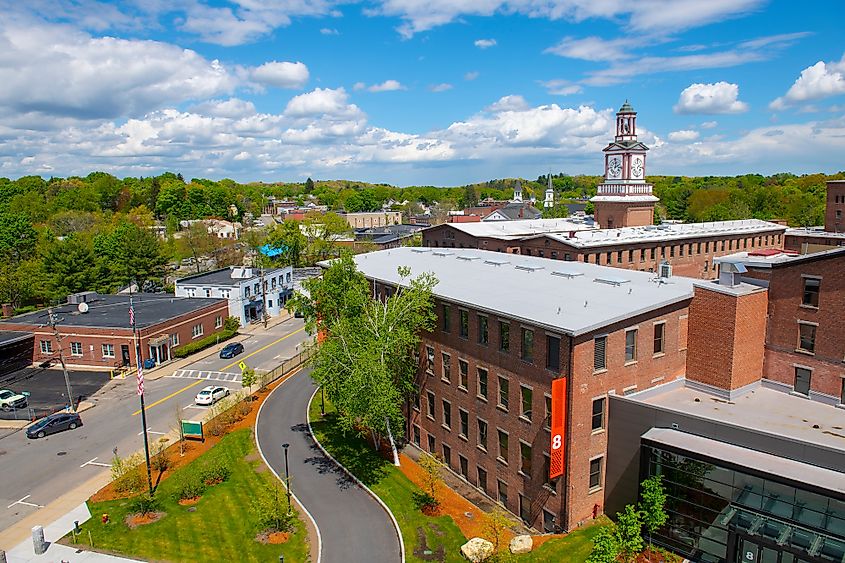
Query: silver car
(210,395)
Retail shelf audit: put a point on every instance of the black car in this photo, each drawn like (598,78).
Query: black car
(232,350)
(54,423)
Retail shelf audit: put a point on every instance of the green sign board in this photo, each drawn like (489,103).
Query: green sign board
(192,429)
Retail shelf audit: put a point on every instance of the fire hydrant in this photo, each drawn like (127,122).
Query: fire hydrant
(105,518)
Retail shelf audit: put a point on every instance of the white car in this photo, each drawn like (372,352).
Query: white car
(10,400)
(210,395)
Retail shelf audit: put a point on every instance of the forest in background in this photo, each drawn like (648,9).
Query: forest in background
(62,235)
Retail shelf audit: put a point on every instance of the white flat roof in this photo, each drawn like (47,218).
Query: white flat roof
(570,297)
(769,260)
(664,232)
(523,227)
(814,232)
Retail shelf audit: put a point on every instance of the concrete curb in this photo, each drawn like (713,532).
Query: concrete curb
(270,467)
(20,424)
(358,481)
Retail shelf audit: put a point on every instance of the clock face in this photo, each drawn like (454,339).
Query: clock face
(614,167)
(637,167)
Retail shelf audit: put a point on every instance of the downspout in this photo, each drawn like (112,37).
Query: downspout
(567,448)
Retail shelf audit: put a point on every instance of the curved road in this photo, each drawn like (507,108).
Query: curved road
(352,525)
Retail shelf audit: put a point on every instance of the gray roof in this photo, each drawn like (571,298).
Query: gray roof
(568,297)
(790,469)
(781,258)
(112,311)
(760,409)
(9,336)
(222,277)
(516,212)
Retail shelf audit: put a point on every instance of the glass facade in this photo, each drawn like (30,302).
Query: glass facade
(719,513)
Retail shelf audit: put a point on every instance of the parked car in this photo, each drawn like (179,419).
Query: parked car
(210,395)
(54,423)
(232,350)
(10,400)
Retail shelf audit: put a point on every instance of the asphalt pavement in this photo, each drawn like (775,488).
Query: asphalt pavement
(353,526)
(34,472)
(48,391)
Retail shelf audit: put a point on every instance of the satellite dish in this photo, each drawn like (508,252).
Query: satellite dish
(82,307)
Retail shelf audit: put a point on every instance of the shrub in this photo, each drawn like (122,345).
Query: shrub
(230,329)
(424,501)
(128,473)
(144,504)
(215,473)
(132,482)
(160,461)
(189,485)
(271,508)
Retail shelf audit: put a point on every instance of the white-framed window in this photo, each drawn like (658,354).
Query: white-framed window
(218,321)
(192,292)
(225,293)
(174,339)
(108,350)
(46,347)
(76,348)
(196,331)
(207,291)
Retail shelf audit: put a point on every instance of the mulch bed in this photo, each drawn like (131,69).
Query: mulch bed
(135,520)
(268,537)
(189,501)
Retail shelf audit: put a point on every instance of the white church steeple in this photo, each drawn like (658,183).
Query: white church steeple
(550,194)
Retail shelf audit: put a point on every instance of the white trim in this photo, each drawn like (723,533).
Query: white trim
(354,478)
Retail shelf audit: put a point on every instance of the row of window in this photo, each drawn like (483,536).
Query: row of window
(631,345)
(689,249)
(526,351)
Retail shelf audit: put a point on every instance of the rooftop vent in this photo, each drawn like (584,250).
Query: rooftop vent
(420,250)
(442,253)
(468,258)
(528,267)
(730,273)
(496,262)
(81,297)
(610,280)
(568,275)
(665,270)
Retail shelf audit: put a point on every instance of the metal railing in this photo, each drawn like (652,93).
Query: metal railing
(307,351)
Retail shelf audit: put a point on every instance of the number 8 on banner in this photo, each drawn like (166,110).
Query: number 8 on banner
(558,424)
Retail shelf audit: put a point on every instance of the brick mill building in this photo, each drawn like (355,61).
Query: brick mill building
(832,233)
(622,233)
(101,336)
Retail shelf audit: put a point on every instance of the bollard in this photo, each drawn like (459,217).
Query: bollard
(38,543)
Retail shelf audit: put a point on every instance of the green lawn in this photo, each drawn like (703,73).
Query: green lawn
(222,528)
(396,491)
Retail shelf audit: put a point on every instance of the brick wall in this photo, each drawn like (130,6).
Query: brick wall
(612,215)
(726,338)
(786,309)
(834,214)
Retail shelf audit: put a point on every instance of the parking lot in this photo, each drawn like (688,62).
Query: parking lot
(48,392)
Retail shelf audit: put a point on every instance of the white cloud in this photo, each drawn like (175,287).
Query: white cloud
(442,87)
(719,97)
(386,86)
(485,43)
(595,48)
(709,124)
(359,86)
(472,75)
(329,31)
(281,74)
(231,108)
(96,78)
(508,103)
(683,136)
(821,80)
(560,87)
(321,101)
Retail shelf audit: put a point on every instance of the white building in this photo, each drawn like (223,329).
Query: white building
(244,290)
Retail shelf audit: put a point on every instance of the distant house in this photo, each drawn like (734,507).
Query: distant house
(514,211)
(369,219)
(218,227)
(244,289)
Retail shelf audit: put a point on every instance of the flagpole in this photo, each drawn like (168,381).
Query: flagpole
(140,378)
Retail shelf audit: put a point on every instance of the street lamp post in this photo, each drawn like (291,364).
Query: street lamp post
(287,473)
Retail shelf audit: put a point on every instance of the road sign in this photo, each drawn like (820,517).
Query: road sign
(243,366)
(192,429)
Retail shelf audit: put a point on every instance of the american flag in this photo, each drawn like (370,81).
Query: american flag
(140,381)
(132,316)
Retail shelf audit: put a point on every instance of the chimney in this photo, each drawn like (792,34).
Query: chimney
(730,273)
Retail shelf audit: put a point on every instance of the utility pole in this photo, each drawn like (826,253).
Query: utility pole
(58,336)
(140,378)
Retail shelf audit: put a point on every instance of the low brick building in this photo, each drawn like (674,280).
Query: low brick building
(368,219)
(503,236)
(832,233)
(101,337)
(486,372)
(805,333)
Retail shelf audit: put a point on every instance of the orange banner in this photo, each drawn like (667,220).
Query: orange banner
(558,453)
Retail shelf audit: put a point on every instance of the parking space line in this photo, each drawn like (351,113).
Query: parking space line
(95,462)
(149,431)
(196,407)
(23,501)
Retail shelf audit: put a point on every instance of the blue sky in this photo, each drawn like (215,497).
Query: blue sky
(436,92)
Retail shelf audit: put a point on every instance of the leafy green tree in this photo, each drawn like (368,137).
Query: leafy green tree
(70,267)
(130,253)
(323,233)
(605,546)
(288,236)
(629,535)
(271,508)
(653,505)
(19,281)
(309,185)
(17,237)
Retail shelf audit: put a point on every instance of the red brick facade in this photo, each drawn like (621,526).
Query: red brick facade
(616,214)
(726,337)
(89,347)
(834,214)
(569,499)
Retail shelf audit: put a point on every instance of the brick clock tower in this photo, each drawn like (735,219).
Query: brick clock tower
(624,199)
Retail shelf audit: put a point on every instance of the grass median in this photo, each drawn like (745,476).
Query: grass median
(221,526)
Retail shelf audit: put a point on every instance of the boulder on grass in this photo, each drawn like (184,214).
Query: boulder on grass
(521,544)
(477,550)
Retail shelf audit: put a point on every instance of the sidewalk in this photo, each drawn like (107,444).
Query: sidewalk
(24,552)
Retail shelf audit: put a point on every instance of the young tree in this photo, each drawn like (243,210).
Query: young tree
(653,505)
(496,527)
(196,242)
(431,475)
(272,509)
(629,535)
(605,546)
(248,379)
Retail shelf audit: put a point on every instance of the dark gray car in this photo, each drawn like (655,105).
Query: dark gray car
(54,423)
